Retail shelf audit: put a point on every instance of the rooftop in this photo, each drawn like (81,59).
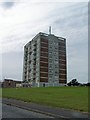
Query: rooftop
(45,35)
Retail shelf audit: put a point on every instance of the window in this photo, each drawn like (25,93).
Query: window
(50,65)
(50,76)
(50,60)
(50,71)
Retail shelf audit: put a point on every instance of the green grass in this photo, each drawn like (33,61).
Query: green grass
(64,97)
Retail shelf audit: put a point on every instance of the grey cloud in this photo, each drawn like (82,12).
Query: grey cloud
(76,16)
(8,5)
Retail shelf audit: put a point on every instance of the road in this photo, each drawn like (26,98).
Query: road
(0,109)
(30,110)
(15,112)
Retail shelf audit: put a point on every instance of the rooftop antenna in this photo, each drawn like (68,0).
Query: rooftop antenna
(49,29)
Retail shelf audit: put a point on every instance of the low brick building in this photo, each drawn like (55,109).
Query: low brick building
(8,83)
(0,84)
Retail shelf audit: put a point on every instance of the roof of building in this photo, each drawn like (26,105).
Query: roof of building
(45,35)
(13,80)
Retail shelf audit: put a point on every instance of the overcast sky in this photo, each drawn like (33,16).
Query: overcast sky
(21,21)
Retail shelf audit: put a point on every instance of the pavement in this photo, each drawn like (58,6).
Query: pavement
(15,112)
(47,110)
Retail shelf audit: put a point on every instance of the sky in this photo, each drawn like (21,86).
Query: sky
(21,20)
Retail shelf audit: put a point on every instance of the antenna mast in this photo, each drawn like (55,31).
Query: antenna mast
(49,29)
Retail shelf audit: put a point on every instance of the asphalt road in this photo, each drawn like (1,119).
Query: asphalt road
(15,112)
(46,110)
(0,109)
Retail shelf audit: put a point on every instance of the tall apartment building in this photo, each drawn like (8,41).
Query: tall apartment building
(45,61)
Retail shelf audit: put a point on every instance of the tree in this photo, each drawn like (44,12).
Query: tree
(88,84)
(73,82)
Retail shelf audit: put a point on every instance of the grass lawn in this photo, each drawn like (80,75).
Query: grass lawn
(64,97)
